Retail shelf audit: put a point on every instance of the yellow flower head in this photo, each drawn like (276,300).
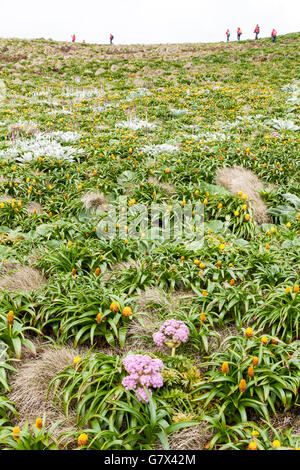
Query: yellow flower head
(252,446)
(10,317)
(76,361)
(82,440)
(242,386)
(248,332)
(127,312)
(276,443)
(114,307)
(225,368)
(255,361)
(16,432)
(99,317)
(264,340)
(39,423)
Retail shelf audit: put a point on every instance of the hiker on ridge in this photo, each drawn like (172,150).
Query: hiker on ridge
(73,37)
(274,34)
(228,34)
(239,33)
(111,38)
(256,31)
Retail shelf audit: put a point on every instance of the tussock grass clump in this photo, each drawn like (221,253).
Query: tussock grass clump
(20,130)
(94,200)
(237,179)
(193,438)
(34,208)
(20,278)
(30,388)
(165,187)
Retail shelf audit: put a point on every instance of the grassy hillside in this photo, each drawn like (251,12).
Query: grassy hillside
(214,126)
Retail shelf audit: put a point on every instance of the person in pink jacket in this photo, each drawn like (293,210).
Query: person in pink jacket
(239,33)
(228,34)
(256,31)
(274,35)
(73,37)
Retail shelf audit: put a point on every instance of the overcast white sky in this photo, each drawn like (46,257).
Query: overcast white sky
(145,21)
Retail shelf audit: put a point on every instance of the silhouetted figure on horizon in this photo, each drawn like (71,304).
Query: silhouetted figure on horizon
(228,35)
(274,35)
(111,38)
(256,31)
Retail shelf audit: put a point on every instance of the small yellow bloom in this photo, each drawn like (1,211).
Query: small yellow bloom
(39,423)
(248,332)
(255,361)
(10,317)
(114,307)
(99,317)
(127,312)
(16,432)
(242,386)
(264,340)
(83,440)
(225,368)
(76,361)
(252,446)
(276,444)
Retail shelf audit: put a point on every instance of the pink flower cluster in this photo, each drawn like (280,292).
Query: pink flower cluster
(143,372)
(172,333)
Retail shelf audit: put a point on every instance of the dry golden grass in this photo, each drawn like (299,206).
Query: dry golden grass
(165,187)
(20,130)
(237,179)
(30,386)
(94,200)
(20,278)
(34,208)
(193,438)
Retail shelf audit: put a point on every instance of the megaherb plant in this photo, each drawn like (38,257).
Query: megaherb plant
(260,373)
(117,417)
(32,437)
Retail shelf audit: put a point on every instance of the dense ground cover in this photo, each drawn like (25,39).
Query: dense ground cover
(83,125)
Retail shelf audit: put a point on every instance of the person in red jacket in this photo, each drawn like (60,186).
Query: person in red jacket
(256,31)
(228,34)
(274,34)
(111,38)
(73,37)
(239,33)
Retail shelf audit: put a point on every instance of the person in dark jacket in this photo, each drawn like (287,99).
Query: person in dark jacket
(111,38)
